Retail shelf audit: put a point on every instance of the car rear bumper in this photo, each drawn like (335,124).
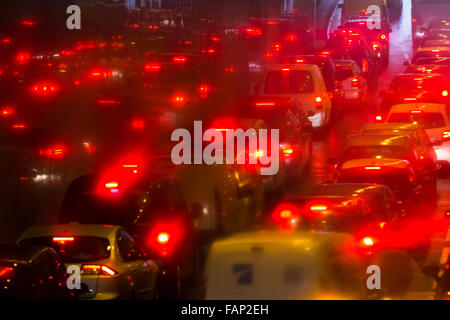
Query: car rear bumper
(443,153)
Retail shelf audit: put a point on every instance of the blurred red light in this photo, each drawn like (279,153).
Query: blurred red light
(53,152)
(152,66)
(179,99)
(138,124)
(19,126)
(6,111)
(23,57)
(203,90)
(179,59)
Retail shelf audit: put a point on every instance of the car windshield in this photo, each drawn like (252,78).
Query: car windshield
(363,152)
(289,82)
(428,120)
(75,248)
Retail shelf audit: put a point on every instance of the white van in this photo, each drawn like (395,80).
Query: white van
(301,82)
(279,265)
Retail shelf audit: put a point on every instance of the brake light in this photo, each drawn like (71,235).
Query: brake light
(152,67)
(108,101)
(203,90)
(6,112)
(299,60)
(372,168)
(368,241)
(318,101)
(165,236)
(138,124)
(23,57)
(253,31)
(416,111)
(325,52)
(44,88)
(53,152)
(98,269)
(19,126)
(5,270)
(111,185)
(378,118)
(287,150)
(382,36)
(179,60)
(318,208)
(410,99)
(286,216)
(445,93)
(27,23)
(179,99)
(285,69)
(63,240)
(230,69)
(446,136)
(291,37)
(265,104)
(355,82)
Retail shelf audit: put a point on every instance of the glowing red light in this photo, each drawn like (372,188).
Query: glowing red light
(6,112)
(53,152)
(203,90)
(138,124)
(152,66)
(23,57)
(44,88)
(179,99)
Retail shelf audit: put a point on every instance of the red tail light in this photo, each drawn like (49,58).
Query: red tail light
(4,271)
(355,82)
(372,168)
(445,136)
(63,240)
(19,126)
(287,150)
(138,124)
(253,31)
(27,23)
(98,269)
(179,99)
(265,104)
(292,37)
(6,112)
(325,52)
(108,101)
(165,236)
(44,88)
(179,60)
(203,90)
(23,57)
(416,111)
(53,152)
(286,216)
(152,67)
(445,93)
(368,241)
(378,118)
(318,101)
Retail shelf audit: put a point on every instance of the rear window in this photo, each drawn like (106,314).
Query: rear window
(427,120)
(416,84)
(77,249)
(344,72)
(289,82)
(364,152)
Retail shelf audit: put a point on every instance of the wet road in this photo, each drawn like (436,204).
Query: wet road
(332,143)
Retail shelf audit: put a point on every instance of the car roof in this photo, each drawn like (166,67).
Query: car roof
(18,253)
(389,126)
(296,66)
(301,239)
(71,229)
(377,140)
(345,189)
(383,162)
(425,107)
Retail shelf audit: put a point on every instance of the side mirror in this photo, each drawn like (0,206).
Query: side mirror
(406,63)
(432,271)
(447,214)
(196,210)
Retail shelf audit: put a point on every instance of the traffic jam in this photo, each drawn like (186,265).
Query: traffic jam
(225,150)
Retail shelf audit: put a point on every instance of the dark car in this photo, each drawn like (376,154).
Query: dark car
(147,208)
(442,291)
(32,272)
(412,88)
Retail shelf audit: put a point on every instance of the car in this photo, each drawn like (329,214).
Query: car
(424,146)
(295,130)
(302,82)
(434,120)
(355,85)
(327,66)
(348,45)
(398,175)
(429,52)
(111,265)
(423,68)
(412,88)
(379,198)
(274,264)
(32,272)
